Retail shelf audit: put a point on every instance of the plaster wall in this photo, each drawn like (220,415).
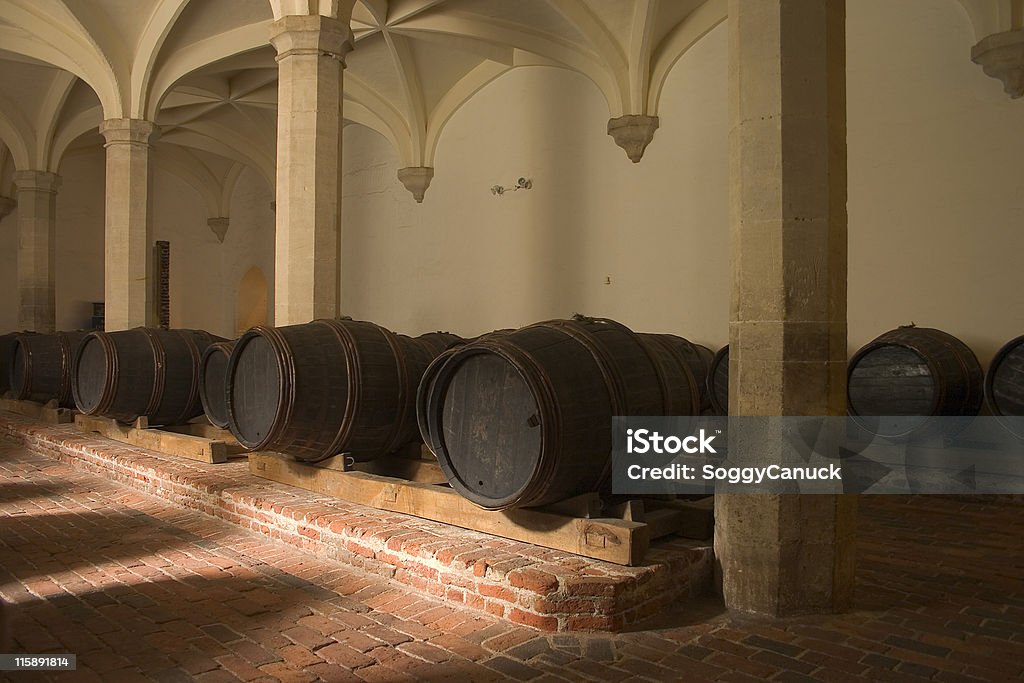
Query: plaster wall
(646,244)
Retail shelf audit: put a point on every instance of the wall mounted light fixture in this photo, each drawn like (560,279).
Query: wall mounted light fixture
(521,184)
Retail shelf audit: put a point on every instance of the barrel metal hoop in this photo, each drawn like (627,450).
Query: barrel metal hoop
(25,390)
(404,389)
(188,336)
(286,390)
(64,344)
(159,354)
(350,351)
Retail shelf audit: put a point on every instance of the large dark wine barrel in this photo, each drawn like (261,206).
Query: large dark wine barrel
(40,367)
(142,372)
(1004,383)
(524,418)
(327,387)
(212,388)
(917,374)
(718,382)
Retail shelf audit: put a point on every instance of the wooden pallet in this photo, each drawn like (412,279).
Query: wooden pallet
(575,526)
(194,441)
(50,412)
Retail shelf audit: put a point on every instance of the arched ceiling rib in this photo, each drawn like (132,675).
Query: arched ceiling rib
(205,72)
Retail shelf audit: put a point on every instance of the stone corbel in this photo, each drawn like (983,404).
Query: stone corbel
(633,133)
(1001,56)
(219,226)
(416,179)
(6,207)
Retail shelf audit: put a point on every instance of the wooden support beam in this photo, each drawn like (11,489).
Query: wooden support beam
(612,540)
(171,443)
(50,413)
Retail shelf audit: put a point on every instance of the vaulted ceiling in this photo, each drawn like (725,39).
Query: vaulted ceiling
(204,71)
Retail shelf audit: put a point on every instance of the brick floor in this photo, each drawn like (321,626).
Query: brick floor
(142,590)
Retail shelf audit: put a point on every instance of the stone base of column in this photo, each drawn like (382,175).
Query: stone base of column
(783,555)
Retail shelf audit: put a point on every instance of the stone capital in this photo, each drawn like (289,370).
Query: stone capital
(219,226)
(1001,56)
(416,179)
(633,133)
(37,181)
(6,207)
(129,132)
(311,35)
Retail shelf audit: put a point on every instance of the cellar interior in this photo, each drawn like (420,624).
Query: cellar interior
(316,314)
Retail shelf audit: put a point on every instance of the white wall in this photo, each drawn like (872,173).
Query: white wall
(79,257)
(249,242)
(468,261)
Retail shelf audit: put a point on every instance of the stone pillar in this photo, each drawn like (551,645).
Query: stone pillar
(37,234)
(310,55)
(127,280)
(787,554)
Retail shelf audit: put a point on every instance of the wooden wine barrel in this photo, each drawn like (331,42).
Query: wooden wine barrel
(718,382)
(212,388)
(142,372)
(40,368)
(327,387)
(1004,383)
(914,373)
(525,418)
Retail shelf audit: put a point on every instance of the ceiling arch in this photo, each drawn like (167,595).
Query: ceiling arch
(204,71)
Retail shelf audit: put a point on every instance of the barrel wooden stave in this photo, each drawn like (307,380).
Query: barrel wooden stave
(41,366)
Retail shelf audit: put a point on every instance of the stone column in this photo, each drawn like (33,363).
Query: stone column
(128,289)
(787,554)
(310,55)
(37,234)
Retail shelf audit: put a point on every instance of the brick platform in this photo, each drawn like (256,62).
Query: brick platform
(142,590)
(545,589)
